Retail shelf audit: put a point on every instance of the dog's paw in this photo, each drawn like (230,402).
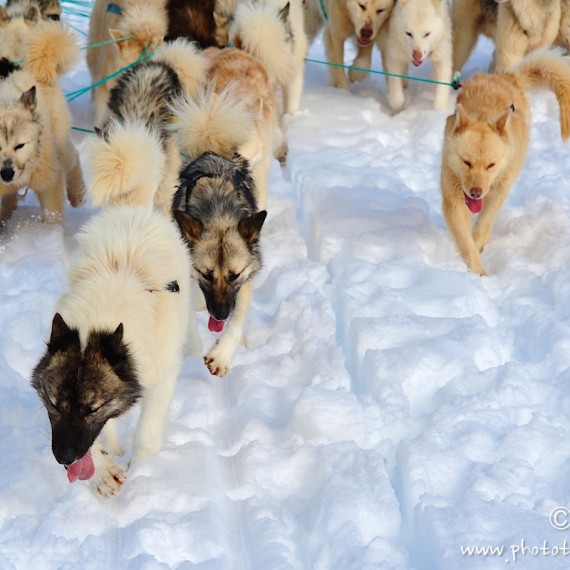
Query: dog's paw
(109,478)
(217,361)
(341,83)
(357,75)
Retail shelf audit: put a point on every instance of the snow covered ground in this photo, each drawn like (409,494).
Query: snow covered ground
(391,410)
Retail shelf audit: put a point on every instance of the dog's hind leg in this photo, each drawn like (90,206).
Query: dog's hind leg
(219,359)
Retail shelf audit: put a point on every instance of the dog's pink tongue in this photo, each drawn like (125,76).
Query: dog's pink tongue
(473,205)
(215,326)
(81,469)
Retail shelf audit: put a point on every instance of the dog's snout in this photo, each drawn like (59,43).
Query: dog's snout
(476,193)
(7,173)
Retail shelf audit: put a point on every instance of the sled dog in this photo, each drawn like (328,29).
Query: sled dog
(117,336)
(143,23)
(274,33)
(418,30)
(217,209)
(470,19)
(363,20)
(137,135)
(524,26)
(485,144)
(35,146)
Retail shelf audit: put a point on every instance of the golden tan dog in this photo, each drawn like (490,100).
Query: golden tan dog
(361,19)
(470,19)
(146,22)
(485,146)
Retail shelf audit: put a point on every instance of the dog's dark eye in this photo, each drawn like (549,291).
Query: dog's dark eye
(409,34)
(380,11)
(362,6)
(467,163)
(209,276)
(19,146)
(427,34)
(233,276)
(490,166)
(89,410)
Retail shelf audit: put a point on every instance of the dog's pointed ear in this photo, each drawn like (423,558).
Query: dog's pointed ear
(503,122)
(28,98)
(250,227)
(191,227)
(33,15)
(284,13)
(115,35)
(462,118)
(61,335)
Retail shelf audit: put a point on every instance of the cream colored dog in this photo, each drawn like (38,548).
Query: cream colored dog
(486,142)
(524,26)
(146,22)
(35,146)
(418,30)
(361,19)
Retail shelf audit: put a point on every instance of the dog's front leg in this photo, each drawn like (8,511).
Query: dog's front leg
(442,72)
(363,61)
(491,205)
(335,55)
(220,357)
(458,220)
(108,478)
(293,90)
(154,409)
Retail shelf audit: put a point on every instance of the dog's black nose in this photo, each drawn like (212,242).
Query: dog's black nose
(64,455)
(7,174)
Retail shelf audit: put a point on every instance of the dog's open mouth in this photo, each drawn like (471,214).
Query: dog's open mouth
(216,326)
(417,62)
(81,469)
(473,205)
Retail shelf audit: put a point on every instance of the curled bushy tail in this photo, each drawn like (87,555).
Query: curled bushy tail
(259,29)
(188,62)
(125,166)
(214,122)
(544,68)
(50,51)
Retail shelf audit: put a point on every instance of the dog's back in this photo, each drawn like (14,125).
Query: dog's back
(127,258)
(193,19)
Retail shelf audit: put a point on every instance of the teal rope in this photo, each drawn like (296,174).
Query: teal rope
(78,30)
(323,10)
(74,12)
(82,130)
(83,3)
(455,84)
(142,57)
(111,41)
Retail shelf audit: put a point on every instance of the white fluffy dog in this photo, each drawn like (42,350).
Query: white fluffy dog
(418,30)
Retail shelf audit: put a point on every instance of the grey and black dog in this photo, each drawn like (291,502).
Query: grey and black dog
(216,209)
